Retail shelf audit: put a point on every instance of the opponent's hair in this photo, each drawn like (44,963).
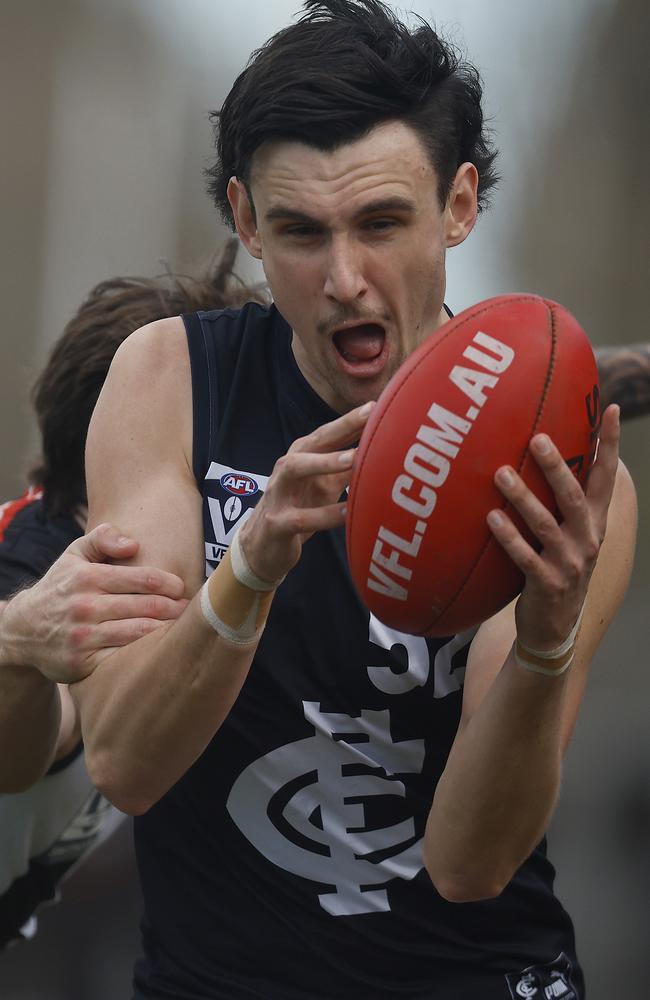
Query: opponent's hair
(65,393)
(344,67)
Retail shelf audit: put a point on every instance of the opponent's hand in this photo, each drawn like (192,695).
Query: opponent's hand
(302,495)
(558,576)
(84,605)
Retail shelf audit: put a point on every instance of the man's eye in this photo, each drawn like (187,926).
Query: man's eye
(301,232)
(381,225)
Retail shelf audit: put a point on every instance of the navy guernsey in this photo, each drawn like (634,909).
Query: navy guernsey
(286,863)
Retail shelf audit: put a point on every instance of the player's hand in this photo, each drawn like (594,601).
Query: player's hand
(302,495)
(84,604)
(558,576)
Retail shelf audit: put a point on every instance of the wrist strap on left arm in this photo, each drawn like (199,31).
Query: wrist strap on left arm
(549,662)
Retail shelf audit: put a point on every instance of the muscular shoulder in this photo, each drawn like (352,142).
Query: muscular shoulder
(152,359)
(139,452)
(147,396)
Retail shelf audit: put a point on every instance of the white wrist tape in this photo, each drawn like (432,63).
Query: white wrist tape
(241,597)
(526,663)
(564,647)
(528,658)
(244,573)
(246,631)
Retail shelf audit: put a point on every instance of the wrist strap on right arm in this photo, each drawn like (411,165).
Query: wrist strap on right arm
(234,601)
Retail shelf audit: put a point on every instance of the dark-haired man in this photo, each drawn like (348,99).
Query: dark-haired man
(315,793)
(82,604)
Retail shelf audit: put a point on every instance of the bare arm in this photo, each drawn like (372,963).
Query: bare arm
(496,795)
(48,634)
(149,710)
(29,704)
(625,378)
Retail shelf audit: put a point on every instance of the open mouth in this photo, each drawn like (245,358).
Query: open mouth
(360,345)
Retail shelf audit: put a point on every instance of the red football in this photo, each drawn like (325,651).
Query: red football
(468,400)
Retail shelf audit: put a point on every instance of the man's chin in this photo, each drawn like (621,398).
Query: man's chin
(360,392)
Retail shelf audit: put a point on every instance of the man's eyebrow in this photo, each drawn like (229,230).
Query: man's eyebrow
(395,203)
(284,212)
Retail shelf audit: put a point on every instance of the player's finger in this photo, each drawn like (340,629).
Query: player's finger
(603,474)
(121,633)
(110,607)
(138,580)
(304,465)
(569,495)
(104,639)
(337,433)
(307,520)
(514,544)
(536,515)
(104,542)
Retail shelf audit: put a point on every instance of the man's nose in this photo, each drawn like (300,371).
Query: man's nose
(344,277)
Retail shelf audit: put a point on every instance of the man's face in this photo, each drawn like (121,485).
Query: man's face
(353,246)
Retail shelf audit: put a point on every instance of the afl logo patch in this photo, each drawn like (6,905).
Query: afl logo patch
(231,495)
(239,484)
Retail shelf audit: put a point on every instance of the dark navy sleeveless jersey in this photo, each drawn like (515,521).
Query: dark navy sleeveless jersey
(30,541)
(287,863)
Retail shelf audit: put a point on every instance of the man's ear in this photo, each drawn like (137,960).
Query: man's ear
(244,217)
(462,205)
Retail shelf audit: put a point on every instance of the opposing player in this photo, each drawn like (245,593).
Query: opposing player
(82,604)
(625,378)
(314,792)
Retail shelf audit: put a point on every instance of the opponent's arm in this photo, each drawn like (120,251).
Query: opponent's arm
(625,378)
(50,631)
(150,710)
(30,713)
(497,792)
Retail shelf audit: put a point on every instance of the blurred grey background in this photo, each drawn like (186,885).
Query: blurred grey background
(104,138)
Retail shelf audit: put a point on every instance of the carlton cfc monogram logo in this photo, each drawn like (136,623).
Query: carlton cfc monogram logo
(526,987)
(544,982)
(304,807)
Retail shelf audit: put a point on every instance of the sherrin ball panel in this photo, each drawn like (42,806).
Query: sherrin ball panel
(465,402)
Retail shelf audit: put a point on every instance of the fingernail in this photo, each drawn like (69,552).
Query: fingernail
(366,408)
(346,457)
(344,510)
(123,540)
(505,477)
(494,519)
(543,444)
